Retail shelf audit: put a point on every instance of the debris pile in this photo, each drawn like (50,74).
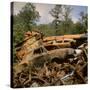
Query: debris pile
(47,64)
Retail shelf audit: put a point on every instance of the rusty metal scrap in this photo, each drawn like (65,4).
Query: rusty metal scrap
(52,65)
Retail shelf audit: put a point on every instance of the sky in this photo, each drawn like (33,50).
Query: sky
(44,9)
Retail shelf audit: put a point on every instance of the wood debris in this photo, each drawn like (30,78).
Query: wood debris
(37,67)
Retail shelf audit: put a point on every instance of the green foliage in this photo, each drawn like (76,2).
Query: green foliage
(29,16)
(24,21)
(84,21)
(66,28)
(77,28)
(47,29)
(82,25)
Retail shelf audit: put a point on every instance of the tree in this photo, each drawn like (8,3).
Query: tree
(56,12)
(24,21)
(82,25)
(66,14)
(77,28)
(62,19)
(84,21)
(29,16)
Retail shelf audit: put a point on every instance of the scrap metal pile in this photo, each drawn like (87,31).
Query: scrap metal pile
(52,61)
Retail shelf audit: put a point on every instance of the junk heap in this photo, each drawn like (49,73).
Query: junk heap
(51,61)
